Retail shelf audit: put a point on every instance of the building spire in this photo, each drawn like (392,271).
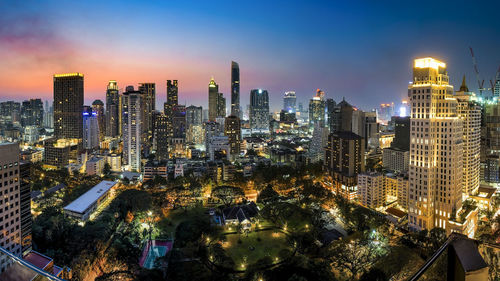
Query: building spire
(463,87)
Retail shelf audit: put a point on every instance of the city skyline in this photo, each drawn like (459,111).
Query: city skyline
(299,53)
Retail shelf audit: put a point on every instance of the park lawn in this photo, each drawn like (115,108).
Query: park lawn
(270,245)
(168,224)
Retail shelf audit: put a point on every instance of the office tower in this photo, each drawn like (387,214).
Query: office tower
(318,142)
(25,203)
(90,130)
(178,140)
(221,106)
(148,91)
(10,112)
(317,109)
(235,89)
(10,238)
(161,136)
(372,189)
(436,148)
(98,109)
(68,105)
(212,129)
(32,113)
(194,124)
(289,102)
(342,117)
(132,131)
(113,108)
(330,110)
(213,100)
(470,113)
(490,142)
(232,130)
(344,160)
(259,111)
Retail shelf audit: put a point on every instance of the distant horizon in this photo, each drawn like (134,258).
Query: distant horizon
(360,51)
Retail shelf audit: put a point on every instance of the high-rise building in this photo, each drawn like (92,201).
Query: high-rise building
(11,235)
(98,109)
(317,109)
(232,130)
(148,99)
(194,124)
(436,148)
(470,113)
(490,141)
(290,101)
(113,110)
(68,105)
(213,100)
(161,136)
(132,132)
(90,130)
(32,113)
(372,189)
(344,160)
(221,106)
(259,111)
(178,140)
(235,89)
(25,198)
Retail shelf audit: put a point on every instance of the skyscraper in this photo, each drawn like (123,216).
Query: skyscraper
(32,113)
(259,111)
(90,130)
(436,147)
(10,237)
(470,113)
(131,121)
(113,107)
(289,102)
(98,108)
(68,105)
(233,131)
(317,109)
(148,91)
(235,89)
(213,100)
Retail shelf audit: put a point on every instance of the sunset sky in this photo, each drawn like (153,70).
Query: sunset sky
(357,49)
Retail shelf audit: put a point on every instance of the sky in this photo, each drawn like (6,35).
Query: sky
(360,50)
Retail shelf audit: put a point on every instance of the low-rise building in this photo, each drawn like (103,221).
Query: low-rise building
(85,205)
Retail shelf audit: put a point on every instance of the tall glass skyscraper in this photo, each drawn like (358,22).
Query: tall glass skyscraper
(235,89)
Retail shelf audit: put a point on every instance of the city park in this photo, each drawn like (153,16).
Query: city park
(182,229)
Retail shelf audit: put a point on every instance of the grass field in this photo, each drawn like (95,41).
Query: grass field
(251,250)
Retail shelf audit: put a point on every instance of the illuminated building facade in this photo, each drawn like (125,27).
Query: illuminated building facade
(68,105)
(470,113)
(132,132)
(259,111)
(235,89)
(233,132)
(113,110)
(436,147)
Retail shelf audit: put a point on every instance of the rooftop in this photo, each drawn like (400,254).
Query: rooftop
(89,197)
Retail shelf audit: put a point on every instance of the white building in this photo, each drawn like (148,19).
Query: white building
(371,189)
(395,159)
(95,166)
(436,147)
(85,205)
(131,122)
(90,130)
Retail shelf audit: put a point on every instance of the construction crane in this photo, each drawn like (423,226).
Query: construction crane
(480,82)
